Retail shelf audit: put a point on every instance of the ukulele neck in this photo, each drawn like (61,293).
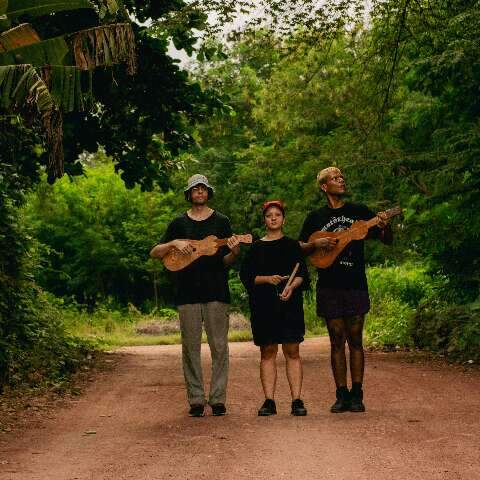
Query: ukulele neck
(389,213)
(220,242)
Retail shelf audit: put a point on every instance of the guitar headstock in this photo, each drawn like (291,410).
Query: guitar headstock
(247,238)
(393,211)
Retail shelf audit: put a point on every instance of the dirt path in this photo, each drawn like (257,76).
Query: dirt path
(422,422)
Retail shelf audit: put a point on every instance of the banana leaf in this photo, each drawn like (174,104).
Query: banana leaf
(46,52)
(104,46)
(69,91)
(16,8)
(18,37)
(21,88)
(3,7)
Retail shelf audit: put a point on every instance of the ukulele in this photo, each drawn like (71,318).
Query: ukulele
(323,258)
(174,260)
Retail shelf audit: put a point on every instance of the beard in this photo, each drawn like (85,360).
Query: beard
(199,201)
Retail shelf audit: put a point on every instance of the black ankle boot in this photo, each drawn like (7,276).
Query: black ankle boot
(342,404)
(356,398)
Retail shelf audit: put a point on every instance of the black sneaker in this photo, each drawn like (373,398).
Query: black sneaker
(356,401)
(298,408)
(218,409)
(268,408)
(342,404)
(196,410)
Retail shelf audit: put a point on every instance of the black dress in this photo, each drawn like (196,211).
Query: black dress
(273,320)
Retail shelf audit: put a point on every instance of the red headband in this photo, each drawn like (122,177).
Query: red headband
(273,203)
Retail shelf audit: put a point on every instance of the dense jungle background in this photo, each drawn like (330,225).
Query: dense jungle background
(96,149)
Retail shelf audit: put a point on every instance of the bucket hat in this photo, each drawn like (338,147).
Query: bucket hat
(198,179)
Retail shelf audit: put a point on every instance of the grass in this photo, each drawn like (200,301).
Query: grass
(134,340)
(396,292)
(113,328)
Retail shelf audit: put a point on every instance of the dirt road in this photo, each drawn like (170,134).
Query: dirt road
(422,422)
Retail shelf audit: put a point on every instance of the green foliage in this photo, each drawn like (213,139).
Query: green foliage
(396,292)
(313,324)
(39,350)
(48,52)
(453,330)
(238,295)
(410,308)
(34,347)
(96,236)
(17,8)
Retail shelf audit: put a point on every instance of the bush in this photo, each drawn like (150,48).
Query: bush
(395,293)
(453,330)
(390,323)
(39,351)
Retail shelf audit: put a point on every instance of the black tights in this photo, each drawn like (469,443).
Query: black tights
(347,329)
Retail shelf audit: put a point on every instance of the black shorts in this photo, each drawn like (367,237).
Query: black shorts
(339,303)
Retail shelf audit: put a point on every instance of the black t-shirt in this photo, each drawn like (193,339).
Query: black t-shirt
(206,279)
(348,270)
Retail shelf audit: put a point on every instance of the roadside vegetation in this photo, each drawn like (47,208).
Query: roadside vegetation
(393,102)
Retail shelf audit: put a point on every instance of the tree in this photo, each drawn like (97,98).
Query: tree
(44,78)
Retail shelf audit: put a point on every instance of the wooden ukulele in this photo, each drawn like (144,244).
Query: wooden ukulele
(323,258)
(174,260)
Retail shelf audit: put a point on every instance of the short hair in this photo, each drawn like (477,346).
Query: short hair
(322,176)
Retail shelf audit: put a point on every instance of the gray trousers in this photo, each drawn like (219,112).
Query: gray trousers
(214,316)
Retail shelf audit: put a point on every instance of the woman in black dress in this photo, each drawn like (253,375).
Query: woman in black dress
(276,309)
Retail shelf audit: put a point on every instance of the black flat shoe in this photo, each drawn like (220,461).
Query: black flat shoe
(196,410)
(268,408)
(218,409)
(298,408)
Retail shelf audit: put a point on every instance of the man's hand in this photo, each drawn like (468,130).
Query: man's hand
(234,245)
(326,242)
(183,246)
(383,220)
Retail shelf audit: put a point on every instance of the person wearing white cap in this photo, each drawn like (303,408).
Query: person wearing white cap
(202,294)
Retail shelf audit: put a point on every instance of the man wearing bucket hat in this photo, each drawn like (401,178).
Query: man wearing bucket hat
(202,294)
(342,291)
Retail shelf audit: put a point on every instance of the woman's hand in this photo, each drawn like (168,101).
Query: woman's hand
(269,279)
(276,279)
(286,294)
